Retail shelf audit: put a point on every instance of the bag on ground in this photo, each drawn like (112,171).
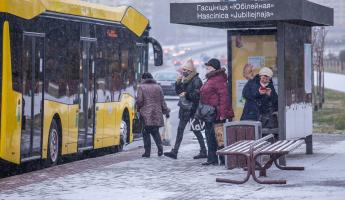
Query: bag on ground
(219,133)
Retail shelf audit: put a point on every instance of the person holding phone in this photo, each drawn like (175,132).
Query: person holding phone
(261,97)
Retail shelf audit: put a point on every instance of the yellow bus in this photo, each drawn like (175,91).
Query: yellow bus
(69,72)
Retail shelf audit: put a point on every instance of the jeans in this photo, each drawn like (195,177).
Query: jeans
(211,142)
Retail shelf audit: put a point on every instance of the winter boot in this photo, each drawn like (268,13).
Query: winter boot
(145,155)
(160,150)
(172,154)
(202,154)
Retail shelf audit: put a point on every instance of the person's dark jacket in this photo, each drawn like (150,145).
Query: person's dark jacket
(256,103)
(151,104)
(192,90)
(215,93)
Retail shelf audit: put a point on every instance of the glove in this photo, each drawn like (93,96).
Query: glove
(167,116)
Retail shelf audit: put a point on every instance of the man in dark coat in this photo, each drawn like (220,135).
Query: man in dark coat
(188,86)
(260,95)
(151,105)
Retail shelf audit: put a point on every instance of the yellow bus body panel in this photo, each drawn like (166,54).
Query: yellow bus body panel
(73,114)
(11,106)
(25,9)
(62,110)
(135,21)
(99,125)
(111,124)
(108,132)
(29,9)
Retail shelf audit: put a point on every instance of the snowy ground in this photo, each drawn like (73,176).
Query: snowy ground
(334,81)
(184,178)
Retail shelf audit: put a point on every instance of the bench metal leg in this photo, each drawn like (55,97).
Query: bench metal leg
(224,180)
(268,164)
(287,167)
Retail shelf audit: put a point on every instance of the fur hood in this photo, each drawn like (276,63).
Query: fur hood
(148,81)
(219,72)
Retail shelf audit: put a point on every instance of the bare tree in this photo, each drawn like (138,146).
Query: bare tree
(318,45)
(342,59)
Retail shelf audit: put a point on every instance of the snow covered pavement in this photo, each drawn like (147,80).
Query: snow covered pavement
(166,179)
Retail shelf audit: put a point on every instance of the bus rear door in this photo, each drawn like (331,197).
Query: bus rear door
(86,122)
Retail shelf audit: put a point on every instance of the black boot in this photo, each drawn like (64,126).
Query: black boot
(172,154)
(202,154)
(210,163)
(145,155)
(160,151)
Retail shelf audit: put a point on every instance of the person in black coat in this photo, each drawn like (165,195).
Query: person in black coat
(261,97)
(188,86)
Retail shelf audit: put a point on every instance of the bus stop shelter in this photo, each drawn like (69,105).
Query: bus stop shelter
(270,33)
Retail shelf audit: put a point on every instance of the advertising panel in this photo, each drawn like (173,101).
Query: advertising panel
(249,54)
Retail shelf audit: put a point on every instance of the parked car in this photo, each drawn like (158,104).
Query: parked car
(167,81)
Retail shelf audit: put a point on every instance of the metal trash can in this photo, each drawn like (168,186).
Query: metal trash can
(236,131)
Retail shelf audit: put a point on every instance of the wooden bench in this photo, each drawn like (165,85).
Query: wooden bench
(252,149)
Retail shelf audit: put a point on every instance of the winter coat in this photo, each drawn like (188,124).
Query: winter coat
(215,93)
(257,104)
(150,103)
(192,90)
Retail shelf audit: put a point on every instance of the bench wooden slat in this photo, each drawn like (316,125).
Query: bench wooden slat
(285,146)
(242,142)
(280,145)
(295,145)
(243,147)
(275,145)
(240,146)
(288,147)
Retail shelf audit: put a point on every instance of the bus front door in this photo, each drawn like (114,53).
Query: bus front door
(86,121)
(33,62)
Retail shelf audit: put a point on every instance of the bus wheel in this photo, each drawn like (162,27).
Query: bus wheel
(123,134)
(53,144)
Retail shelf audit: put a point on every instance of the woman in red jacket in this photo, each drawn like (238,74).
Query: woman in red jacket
(215,93)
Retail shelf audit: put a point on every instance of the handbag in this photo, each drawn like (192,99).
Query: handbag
(196,124)
(205,113)
(184,103)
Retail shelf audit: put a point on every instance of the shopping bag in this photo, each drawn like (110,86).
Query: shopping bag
(138,124)
(166,132)
(219,133)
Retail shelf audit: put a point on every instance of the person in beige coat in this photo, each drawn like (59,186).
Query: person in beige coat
(151,105)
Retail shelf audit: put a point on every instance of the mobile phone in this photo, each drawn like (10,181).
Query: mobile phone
(262,88)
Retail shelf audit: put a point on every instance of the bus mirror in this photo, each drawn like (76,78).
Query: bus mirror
(157,51)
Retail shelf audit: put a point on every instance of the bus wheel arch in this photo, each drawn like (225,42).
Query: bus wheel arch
(54,141)
(124,128)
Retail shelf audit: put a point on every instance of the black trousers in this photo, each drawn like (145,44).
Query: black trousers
(154,131)
(211,142)
(180,130)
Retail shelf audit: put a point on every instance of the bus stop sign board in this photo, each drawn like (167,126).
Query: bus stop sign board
(250,13)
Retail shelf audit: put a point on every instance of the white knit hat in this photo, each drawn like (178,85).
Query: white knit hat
(189,65)
(265,71)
